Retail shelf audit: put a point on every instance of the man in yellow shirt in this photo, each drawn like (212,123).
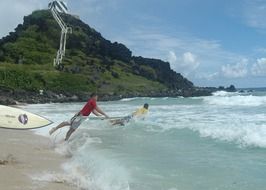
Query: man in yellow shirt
(140,113)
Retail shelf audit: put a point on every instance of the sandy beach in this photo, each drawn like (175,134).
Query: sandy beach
(26,162)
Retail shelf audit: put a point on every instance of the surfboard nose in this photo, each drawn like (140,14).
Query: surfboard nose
(14,118)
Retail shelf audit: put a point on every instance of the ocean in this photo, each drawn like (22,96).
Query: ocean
(200,143)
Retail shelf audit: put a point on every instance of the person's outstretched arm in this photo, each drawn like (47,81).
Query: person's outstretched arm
(96,113)
(100,111)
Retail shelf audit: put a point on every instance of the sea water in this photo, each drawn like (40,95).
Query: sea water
(202,143)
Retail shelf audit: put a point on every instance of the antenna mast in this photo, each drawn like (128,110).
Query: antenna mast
(56,8)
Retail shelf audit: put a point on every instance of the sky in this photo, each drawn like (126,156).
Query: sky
(210,42)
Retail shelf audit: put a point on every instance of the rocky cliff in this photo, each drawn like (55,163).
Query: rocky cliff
(92,63)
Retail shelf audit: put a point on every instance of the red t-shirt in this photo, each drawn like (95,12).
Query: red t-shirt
(89,107)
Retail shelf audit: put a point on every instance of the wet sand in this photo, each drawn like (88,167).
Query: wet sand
(27,162)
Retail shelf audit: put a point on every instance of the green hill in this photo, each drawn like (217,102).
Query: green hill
(92,63)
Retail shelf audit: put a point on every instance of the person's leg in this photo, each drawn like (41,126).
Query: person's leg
(63,124)
(117,122)
(70,131)
(75,123)
(114,122)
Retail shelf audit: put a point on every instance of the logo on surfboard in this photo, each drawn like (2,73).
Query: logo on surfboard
(23,118)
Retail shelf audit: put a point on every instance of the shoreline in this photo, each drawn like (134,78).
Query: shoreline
(27,161)
(9,96)
(13,97)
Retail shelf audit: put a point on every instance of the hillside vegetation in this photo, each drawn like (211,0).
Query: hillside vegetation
(92,63)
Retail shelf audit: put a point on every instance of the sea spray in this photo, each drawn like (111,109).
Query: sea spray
(215,142)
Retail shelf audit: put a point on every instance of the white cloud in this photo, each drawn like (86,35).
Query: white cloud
(259,68)
(260,50)
(151,42)
(207,76)
(13,11)
(186,63)
(172,57)
(190,60)
(187,54)
(235,71)
(255,13)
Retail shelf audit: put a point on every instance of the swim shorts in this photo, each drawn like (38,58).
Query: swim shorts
(76,121)
(127,118)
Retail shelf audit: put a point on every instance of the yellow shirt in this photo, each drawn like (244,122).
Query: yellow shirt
(140,112)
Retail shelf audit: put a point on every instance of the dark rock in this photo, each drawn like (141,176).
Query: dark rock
(231,88)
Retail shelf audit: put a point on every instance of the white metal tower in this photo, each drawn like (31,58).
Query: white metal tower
(56,8)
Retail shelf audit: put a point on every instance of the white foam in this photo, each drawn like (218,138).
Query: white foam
(128,99)
(224,93)
(90,169)
(45,177)
(224,117)
(87,168)
(241,128)
(236,100)
(246,136)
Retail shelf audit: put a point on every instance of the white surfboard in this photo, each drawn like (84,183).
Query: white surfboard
(14,118)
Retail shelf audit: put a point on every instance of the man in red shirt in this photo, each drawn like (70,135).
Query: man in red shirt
(91,106)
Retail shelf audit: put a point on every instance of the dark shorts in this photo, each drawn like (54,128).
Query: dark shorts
(124,120)
(76,121)
(127,118)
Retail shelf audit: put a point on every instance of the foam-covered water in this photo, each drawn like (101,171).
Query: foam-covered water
(216,142)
